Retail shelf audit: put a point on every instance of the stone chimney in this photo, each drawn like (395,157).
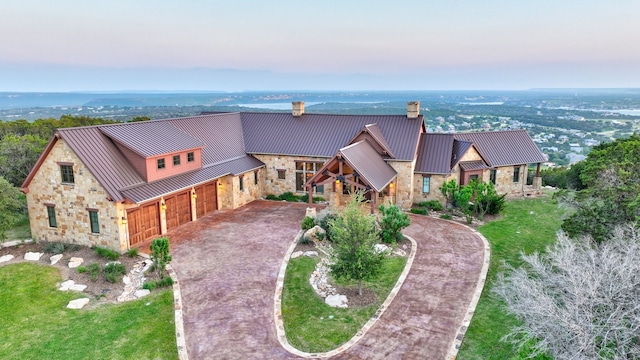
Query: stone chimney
(297,108)
(413,109)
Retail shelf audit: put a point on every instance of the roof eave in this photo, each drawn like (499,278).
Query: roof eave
(25,184)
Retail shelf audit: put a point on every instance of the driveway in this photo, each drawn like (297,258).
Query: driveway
(227,264)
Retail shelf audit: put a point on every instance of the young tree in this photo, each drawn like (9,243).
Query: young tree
(160,254)
(579,300)
(354,234)
(392,221)
(463,201)
(11,206)
(449,190)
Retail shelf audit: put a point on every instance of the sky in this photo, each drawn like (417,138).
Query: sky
(243,45)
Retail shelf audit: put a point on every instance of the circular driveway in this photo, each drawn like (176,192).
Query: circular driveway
(227,264)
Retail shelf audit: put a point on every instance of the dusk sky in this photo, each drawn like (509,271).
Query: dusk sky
(73,45)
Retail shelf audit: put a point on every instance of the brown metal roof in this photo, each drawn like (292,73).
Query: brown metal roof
(434,154)
(366,161)
(374,131)
(473,165)
(460,147)
(103,159)
(323,135)
(503,148)
(151,138)
(144,192)
(222,134)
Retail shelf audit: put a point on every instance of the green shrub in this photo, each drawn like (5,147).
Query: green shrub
(307,223)
(149,285)
(132,252)
(165,282)
(107,253)
(434,205)
(272,197)
(94,271)
(113,272)
(324,223)
(392,221)
(494,204)
(54,248)
(446,216)
(289,196)
(160,254)
(419,211)
(81,269)
(305,198)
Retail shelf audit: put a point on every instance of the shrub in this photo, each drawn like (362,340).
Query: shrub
(494,204)
(107,253)
(272,197)
(324,223)
(392,221)
(94,271)
(434,205)
(307,223)
(132,252)
(446,216)
(419,211)
(81,269)
(160,254)
(113,272)
(305,198)
(289,196)
(150,285)
(54,248)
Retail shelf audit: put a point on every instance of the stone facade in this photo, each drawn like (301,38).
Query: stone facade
(70,203)
(231,197)
(274,163)
(402,191)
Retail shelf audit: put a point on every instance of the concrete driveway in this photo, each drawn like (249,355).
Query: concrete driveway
(227,264)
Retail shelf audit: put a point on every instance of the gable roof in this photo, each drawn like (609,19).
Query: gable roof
(365,160)
(151,138)
(374,131)
(322,135)
(504,148)
(434,154)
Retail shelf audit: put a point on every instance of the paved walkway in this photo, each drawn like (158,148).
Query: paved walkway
(228,263)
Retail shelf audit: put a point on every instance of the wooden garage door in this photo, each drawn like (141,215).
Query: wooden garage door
(178,210)
(143,223)
(207,199)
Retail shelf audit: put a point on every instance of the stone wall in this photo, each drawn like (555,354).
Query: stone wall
(275,186)
(434,193)
(505,184)
(402,193)
(71,202)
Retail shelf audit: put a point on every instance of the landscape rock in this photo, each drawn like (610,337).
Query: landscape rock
(71,285)
(296,254)
(133,281)
(339,301)
(5,258)
(315,234)
(399,252)
(311,212)
(77,303)
(33,256)
(74,262)
(55,258)
(141,293)
(310,253)
(318,279)
(15,243)
(381,248)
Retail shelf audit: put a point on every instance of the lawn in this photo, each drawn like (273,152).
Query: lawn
(313,326)
(20,231)
(37,324)
(526,225)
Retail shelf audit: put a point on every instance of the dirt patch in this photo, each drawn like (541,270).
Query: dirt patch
(100,289)
(310,246)
(367,298)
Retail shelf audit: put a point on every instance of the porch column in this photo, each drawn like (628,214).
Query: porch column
(310,192)
(537,180)
(538,170)
(194,200)
(374,195)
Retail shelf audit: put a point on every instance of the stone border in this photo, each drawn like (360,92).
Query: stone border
(482,278)
(7,244)
(177,306)
(277,305)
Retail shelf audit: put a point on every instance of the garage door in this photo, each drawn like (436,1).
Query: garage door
(143,223)
(207,199)
(178,210)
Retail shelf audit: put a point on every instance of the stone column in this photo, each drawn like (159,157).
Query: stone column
(163,217)
(194,200)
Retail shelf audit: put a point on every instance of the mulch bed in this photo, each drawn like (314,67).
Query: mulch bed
(100,289)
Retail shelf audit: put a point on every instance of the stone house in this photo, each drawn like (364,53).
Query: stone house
(123,184)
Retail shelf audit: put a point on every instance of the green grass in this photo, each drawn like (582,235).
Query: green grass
(526,225)
(21,230)
(37,325)
(306,316)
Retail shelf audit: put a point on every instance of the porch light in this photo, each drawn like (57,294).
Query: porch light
(124,220)
(163,206)
(220,185)
(391,185)
(338,181)
(194,195)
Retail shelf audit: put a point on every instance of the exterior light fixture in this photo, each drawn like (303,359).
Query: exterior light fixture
(391,185)
(163,206)
(220,185)
(124,220)
(194,195)
(337,181)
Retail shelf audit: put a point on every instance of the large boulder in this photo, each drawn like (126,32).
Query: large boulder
(316,233)
(339,301)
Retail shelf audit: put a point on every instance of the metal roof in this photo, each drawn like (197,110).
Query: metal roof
(322,135)
(473,165)
(434,154)
(151,138)
(374,131)
(144,192)
(503,148)
(460,147)
(366,161)
(103,159)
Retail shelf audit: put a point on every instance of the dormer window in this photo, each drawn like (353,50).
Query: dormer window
(176,160)
(190,157)
(161,164)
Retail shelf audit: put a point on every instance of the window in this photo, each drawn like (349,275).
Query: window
(516,174)
(51,213)
(93,219)
(67,173)
(176,160)
(281,174)
(473,178)
(161,164)
(492,176)
(426,184)
(241,178)
(190,157)
(304,172)
(255,178)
